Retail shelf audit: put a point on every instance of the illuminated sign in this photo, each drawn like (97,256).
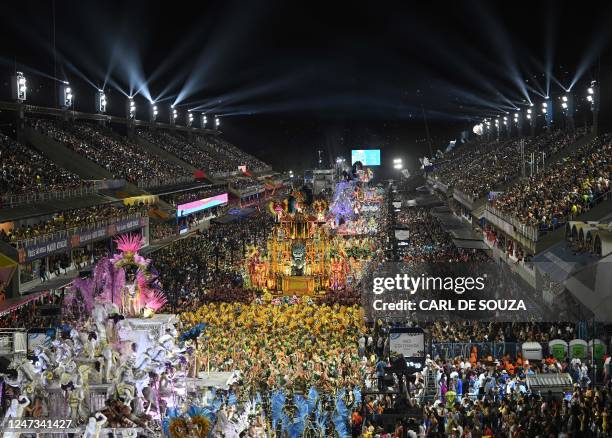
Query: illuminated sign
(202,204)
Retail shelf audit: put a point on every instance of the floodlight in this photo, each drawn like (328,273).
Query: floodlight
(66,96)
(101,102)
(131,108)
(154,112)
(19,87)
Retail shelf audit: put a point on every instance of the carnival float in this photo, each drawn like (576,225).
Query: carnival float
(316,247)
(116,369)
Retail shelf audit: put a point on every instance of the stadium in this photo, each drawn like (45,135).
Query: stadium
(277,220)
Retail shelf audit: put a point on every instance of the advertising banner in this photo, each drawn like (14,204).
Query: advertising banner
(63,244)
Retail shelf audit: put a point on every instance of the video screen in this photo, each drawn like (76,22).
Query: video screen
(201,204)
(368,157)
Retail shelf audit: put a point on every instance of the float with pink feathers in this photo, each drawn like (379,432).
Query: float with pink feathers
(123,280)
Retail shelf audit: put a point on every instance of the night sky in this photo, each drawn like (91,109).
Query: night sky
(290,78)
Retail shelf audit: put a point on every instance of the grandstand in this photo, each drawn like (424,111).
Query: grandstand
(526,208)
(69,185)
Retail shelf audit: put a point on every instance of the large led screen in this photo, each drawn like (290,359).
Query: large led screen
(368,157)
(201,204)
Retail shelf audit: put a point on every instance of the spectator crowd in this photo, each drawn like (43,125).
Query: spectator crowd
(24,170)
(68,219)
(208,266)
(186,196)
(209,153)
(483,166)
(229,153)
(564,189)
(122,157)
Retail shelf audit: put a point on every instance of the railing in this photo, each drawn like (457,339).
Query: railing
(534,233)
(161,182)
(449,350)
(88,188)
(22,243)
(249,190)
(225,175)
(463,198)
(526,230)
(31,198)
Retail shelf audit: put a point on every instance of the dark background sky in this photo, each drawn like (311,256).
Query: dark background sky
(289,78)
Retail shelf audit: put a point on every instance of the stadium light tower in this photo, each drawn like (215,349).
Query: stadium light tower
(131,108)
(100,102)
(66,95)
(204,120)
(154,112)
(217,122)
(593,99)
(173,115)
(497,126)
(547,112)
(518,122)
(567,108)
(487,123)
(19,87)
(189,118)
(530,116)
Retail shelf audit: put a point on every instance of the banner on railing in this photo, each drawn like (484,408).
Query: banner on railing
(42,249)
(75,238)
